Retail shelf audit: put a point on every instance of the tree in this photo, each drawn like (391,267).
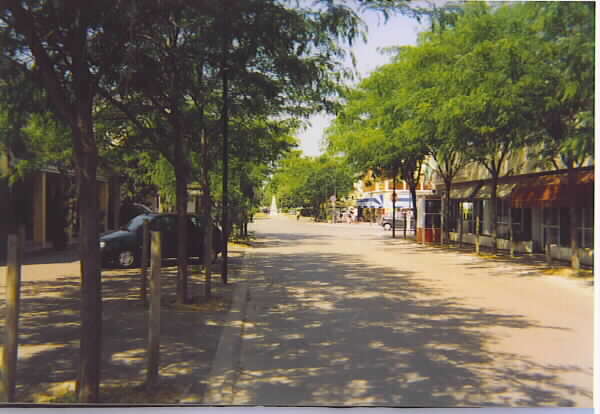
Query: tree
(70,48)
(369,132)
(309,182)
(488,107)
(564,92)
(425,76)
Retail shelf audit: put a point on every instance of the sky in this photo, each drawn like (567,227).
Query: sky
(397,31)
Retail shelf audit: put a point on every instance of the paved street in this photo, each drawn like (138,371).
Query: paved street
(342,315)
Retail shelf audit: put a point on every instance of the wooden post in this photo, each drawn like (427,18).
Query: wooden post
(145,257)
(477,246)
(8,370)
(154,314)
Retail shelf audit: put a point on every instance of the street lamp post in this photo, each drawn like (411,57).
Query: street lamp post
(394,207)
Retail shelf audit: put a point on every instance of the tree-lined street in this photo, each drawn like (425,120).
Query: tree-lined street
(341,315)
(180,122)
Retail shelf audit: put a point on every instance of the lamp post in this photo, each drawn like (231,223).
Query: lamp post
(393,207)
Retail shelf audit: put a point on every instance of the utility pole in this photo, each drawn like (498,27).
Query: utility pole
(225,117)
(393,207)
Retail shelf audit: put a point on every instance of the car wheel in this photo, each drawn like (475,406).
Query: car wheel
(126,259)
(387,226)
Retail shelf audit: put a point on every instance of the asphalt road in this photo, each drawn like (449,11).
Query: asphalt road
(343,315)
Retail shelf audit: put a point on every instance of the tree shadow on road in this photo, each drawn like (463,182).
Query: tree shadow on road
(327,329)
(523,264)
(49,336)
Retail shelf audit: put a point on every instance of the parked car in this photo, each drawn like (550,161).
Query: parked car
(386,222)
(123,248)
(131,210)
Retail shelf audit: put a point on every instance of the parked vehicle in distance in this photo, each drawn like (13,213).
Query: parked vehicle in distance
(123,248)
(386,222)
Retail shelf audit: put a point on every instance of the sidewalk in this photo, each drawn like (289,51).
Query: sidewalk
(49,332)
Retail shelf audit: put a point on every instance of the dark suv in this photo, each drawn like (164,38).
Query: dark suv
(124,247)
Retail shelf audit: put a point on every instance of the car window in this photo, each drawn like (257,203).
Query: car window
(166,224)
(137,222)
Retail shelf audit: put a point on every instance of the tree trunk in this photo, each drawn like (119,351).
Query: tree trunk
(208,248)
(413,194)
(571,182)
(446,213)
(182,230)
(493,214)
(91,292)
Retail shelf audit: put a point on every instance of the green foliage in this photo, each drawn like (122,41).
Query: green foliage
(310,181)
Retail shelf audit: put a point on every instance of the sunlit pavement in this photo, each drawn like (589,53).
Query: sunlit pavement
(343,315)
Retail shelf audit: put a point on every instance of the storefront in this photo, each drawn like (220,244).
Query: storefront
(534,207)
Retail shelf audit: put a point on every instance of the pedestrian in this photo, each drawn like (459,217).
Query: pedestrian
(297,215)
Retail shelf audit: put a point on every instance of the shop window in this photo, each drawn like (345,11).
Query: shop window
(453,215)
(433,206)
(585,227)
(433,217)
(565,227)
(481,211)
(556,226)
(466,208)
(502,218)
(521,224)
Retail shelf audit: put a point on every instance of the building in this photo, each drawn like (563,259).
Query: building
(376,193)
(45,204)
(533,200)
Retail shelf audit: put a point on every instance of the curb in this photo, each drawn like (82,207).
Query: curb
(224,371)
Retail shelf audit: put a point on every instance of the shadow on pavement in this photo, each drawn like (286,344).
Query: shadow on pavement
(327,329)
(49,334)
(530,264)
(289,240)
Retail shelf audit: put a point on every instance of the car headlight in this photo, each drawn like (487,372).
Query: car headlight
(102,244)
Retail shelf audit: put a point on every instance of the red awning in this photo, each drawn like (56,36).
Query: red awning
(553,191)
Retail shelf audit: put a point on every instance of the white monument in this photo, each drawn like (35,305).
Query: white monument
(273,210)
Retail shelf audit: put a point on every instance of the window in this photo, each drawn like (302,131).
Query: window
(521,223)
(585,227)
(433,217)
(433,206)
(453,215)
(503,218)
(467,216)
(556,226)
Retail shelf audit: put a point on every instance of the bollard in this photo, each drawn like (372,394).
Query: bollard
(154,314)
(8,370)
(145,259)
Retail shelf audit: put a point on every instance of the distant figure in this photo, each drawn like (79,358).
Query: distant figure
(298,215)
